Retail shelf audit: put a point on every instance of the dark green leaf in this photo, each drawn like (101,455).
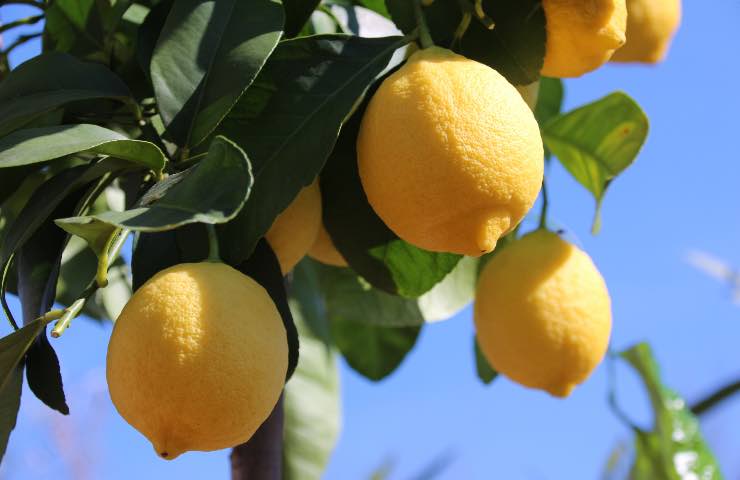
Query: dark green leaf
(675,449)
(148,34)
(73,26)
(212,192)
(10,402)
(549,99)
(207,55)
(304,288)
(371,350)
(515,47)
(13,348)
(49,81)
(288,121)
(297,13)
(485,372)
(35,145)
(11,180)
(596,142)
(312,405)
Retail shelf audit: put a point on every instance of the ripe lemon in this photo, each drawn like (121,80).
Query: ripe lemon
(543,313)
(294,231)
(324,250)
(449,154)
(582,34)
(197,359)
(651,25)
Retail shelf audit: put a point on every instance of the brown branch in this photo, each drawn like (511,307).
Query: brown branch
(261,458)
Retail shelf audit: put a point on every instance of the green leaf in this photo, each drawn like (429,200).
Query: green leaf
(13,348)
(289,119)
(453,293)
(207,55)
(596,142)
(10,402)
(52,80)
(211,192)
(515,47)
(368,245)
(675,449)
(549,99)
(297,13)
(371,350)
(35,145)
(72,26)
(312,405)
(486,373)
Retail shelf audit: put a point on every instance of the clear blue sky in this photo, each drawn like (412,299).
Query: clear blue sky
(681,194)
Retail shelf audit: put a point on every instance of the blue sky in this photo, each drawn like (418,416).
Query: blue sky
(681,194)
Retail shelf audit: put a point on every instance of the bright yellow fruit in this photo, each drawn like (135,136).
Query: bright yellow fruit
(294,231)
(324,250)
(582,35)
(449,154)
(651,25)
(197,359)
(543,313)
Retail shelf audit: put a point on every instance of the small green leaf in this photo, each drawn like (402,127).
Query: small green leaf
(10,402)
(675,449)
(289,120)
(13,348)
(486,373)
(49,81)
(312,405)
(212,192)
(207,55)
(549,99)
(35,145)
(598,141)
(297,13)
(453,293)
(371,350)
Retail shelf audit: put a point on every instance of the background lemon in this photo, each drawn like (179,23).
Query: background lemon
(324,250)
(582,34)
(294,231)
(543,313)
(449,154)
(197,359)
(651,25)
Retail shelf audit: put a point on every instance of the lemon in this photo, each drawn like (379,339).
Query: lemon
(294,231)
(324,250)
(543,313)
(582,35)
(197,359)
(651,25)
(449,154)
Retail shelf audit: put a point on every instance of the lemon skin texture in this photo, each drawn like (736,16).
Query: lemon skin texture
(324,250)
(582,35)
(294,231)
(449,154)
(543,313)
(197,358)
(651,25)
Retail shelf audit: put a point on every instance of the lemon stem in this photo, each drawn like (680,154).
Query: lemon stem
(543,212)
(69,313)
(213,252)
(484,19)
(425,39)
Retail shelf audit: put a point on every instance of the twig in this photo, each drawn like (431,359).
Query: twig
(22,21)
(715,398)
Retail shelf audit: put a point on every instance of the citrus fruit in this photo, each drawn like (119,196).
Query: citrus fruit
(324,250)
(651,25)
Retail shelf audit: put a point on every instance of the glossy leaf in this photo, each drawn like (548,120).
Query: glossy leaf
(371,350)
(36,145)
(453,293)
(52,80)
(596,142)
(289,119)
(207,54)
(515,47)
(212,192)
(675,449)
(297,13)
(13,348)
(312,405)
(10,402)
(485,372)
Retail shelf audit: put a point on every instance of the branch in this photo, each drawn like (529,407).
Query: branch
(23,21)
(33,3)
(261,458)
(20,41)
(715,398)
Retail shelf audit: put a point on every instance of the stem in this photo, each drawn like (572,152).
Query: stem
(69,313)
(545,202)
(484,19)
(109,254)
(20,41)
(22,21)
(715,398)
(462,27)
(34,3)
(425,39)
(213,253)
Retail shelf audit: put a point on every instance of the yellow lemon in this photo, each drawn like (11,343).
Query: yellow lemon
(197,359)
(449,154)
(543,313)
(651,25)
(294,231)
(582,35)
(324,250)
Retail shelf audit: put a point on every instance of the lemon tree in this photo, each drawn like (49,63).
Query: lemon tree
(300,180)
